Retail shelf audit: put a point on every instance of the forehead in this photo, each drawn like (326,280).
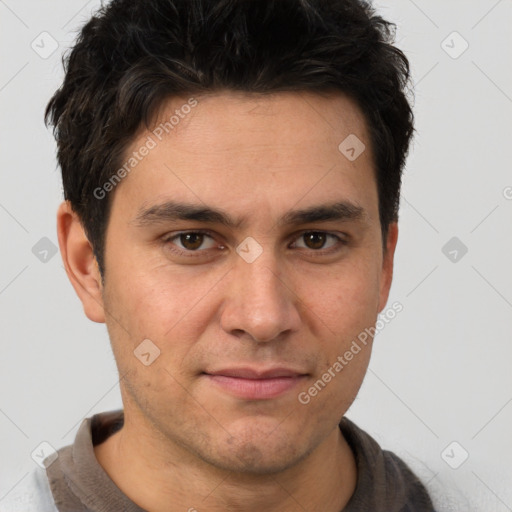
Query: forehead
(277,119)
(255,150)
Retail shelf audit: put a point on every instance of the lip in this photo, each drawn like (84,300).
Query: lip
(255,384)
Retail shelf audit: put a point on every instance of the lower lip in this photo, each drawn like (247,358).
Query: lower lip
(256,389)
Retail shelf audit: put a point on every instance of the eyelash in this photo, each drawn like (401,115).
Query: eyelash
(200,252)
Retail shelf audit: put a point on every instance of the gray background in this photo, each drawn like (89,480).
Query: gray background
(440,371)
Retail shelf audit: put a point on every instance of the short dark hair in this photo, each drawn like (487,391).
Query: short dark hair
(132,55)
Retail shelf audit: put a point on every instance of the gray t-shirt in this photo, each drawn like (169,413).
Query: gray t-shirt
(75,481)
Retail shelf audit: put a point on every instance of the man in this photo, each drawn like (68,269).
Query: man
(231,172)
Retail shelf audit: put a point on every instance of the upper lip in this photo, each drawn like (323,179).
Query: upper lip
(246,372)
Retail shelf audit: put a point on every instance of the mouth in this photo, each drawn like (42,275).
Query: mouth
(255,384)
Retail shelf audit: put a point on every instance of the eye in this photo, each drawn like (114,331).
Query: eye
(317,240)
(191,241)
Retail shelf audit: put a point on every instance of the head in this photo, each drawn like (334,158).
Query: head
(230,121)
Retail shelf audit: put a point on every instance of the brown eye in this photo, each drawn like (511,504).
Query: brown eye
(191,241)
(314,240)
(319,241)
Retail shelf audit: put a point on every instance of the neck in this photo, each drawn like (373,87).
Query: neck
(150,476)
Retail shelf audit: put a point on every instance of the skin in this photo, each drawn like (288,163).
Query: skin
(187,443)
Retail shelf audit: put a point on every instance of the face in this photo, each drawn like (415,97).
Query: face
(247,248)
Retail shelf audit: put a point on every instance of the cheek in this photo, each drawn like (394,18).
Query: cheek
(333,388)
(172,309)
(145,309)
(157,299)
(346,301)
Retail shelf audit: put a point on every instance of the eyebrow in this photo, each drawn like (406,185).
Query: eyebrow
(170,211)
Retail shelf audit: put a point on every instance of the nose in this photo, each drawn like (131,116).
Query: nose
(259,303)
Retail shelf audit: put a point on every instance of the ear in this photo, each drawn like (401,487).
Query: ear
(80,263)
(387,264)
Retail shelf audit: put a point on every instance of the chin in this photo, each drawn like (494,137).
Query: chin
(251,459)
(257,451)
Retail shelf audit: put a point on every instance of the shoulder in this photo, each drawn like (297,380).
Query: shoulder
(405,483)
(385,483)
(31,494)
